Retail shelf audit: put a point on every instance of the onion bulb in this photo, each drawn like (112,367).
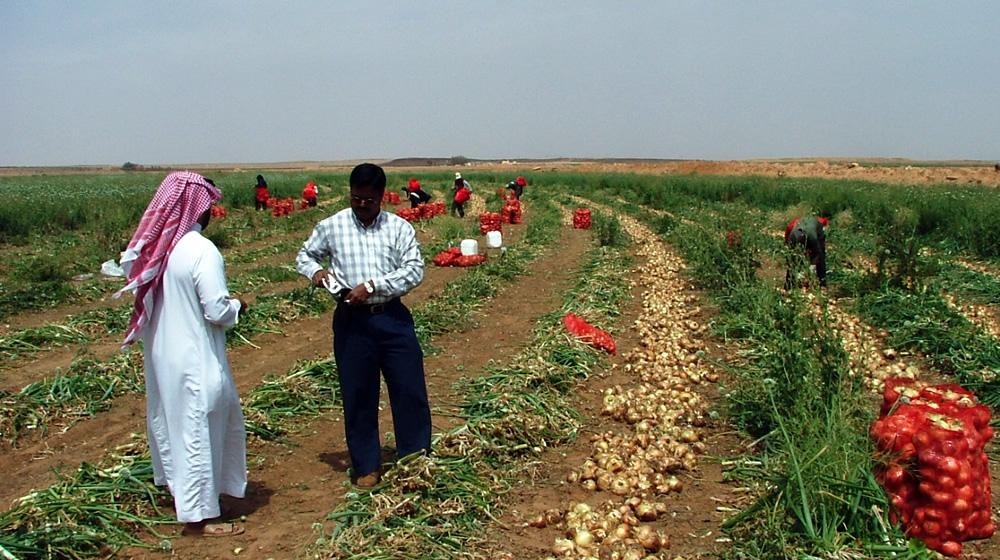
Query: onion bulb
(583,538)
(647,537)
(563,547)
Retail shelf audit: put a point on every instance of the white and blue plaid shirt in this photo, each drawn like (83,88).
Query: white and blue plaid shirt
(386,252)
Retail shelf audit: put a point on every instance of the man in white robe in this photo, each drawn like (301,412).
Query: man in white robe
(196,429)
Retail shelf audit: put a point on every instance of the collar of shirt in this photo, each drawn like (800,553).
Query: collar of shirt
(376,223)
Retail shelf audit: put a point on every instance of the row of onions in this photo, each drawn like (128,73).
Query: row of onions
(659,411)
(799,373)
(870,357)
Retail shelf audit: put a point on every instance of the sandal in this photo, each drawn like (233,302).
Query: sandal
(213,530)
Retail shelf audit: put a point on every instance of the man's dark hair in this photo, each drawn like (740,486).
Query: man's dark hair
(368,175)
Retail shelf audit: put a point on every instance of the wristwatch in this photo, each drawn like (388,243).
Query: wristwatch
(370,286)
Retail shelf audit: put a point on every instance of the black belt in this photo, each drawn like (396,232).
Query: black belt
(377,307)
(371,307)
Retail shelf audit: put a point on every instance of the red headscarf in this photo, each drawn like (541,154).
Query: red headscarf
(176,206)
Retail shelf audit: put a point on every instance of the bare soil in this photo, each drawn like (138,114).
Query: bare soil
(884,170)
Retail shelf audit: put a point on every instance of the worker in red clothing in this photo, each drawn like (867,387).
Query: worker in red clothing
(517,185)
(461,192)
(416,194)
(309,193)
(808,234)
(262,194)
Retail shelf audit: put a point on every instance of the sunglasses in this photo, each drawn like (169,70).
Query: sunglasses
(364,200)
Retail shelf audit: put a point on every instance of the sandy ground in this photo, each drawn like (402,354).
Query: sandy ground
(898,171)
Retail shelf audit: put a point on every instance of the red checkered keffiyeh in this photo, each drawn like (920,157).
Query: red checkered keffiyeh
(181,198)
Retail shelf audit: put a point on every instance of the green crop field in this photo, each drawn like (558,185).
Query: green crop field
(547,446)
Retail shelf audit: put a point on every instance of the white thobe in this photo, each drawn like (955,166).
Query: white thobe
(197,437)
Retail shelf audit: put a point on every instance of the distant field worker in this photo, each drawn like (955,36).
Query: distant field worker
(262,195)
(417,197)
(415,193)
(517,185)
(808,234)
(461,191)
(309,193)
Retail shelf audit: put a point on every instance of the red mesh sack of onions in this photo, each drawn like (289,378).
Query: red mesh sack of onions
(932,439)
(390,197)
(489,221)
(469,260)
(511,212)
(409,214)
(580,328)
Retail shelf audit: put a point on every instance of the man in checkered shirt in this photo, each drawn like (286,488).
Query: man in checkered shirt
(368,259)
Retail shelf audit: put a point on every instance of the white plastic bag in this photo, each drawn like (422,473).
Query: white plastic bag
(111,268)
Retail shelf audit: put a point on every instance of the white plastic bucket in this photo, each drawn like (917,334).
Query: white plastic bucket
(470,247)
(494,239)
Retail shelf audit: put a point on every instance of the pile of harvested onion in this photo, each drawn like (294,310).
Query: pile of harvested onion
(660,414)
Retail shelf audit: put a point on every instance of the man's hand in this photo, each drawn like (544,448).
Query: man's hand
(320,275)
(244,306)
(357,296)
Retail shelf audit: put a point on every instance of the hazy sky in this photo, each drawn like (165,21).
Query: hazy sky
(170,82)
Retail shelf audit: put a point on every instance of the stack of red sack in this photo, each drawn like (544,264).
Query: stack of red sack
(431,209)
(588,333)
(453,256)
(936,472)
(511,212)
(421,212)
(281,207)
(489,221)
(390,197)
(581,218)
(409,214)
(469,260)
